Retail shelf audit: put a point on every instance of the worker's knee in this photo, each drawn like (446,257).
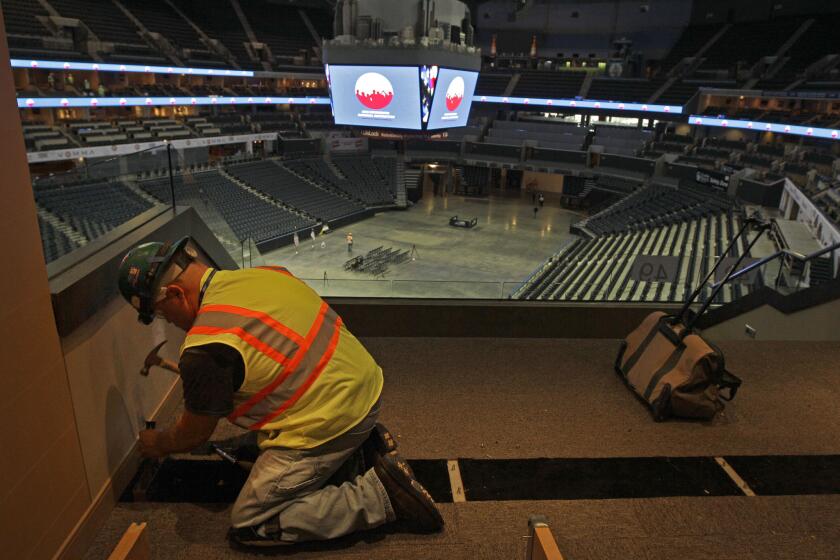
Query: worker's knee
(272,485)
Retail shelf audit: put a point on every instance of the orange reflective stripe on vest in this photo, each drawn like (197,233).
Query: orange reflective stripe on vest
(303,358)
(246,337)
(264,318)
(326,356)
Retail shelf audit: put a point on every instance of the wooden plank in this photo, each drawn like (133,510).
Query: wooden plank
(134,544)
(545,547)
(458,495)
(542,545)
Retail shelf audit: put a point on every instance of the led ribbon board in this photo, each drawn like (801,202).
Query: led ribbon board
(103,67)
(582,104)
(94,102)
(757,126)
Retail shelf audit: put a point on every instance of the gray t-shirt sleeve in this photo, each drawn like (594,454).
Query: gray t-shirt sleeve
(211,374)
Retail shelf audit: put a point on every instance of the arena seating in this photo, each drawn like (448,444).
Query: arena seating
(28,38)
(491,83)
(626,166)
(820,40)
(621,140)
(21,18)
(623,89)
(43,137)
(554,84)
(276,121)
(495,152)
(218,20)
(55,243)
(598,269)
(110,24)
(159,17)
(370,181)
(282,28)
(247,214)
(286,187)
(745,43)
(617,183)
(682,90)
(548,135)
(828,202)
(691,40)
(653,206)
(92,209)
(552,157)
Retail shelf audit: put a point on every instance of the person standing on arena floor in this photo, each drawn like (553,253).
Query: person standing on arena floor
(349,242)
(312,235)
(536,209)
(542,200)
(266,352)
(296,241)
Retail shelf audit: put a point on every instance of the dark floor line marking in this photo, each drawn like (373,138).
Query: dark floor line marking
(784,475)
(593,479)
(215,481)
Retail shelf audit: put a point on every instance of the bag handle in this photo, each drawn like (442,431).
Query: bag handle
(697,291)
(762,227)
(731,382)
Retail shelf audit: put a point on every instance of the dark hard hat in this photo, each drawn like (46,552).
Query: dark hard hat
(141,270)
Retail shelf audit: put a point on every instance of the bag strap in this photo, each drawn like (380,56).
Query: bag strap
(661,327)
(731,382)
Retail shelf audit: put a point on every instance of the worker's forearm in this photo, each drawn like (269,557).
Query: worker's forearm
(175,440)
(189,432)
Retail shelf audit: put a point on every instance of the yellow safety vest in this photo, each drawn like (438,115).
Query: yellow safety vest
(307,379)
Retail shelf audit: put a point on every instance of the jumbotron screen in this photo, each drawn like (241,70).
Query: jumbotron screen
(452,99)
(378,96)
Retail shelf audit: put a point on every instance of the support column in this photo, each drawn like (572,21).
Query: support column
(45,491)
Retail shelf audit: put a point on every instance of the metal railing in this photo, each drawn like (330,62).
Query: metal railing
(788,258)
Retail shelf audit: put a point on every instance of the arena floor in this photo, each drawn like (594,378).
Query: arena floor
(487,261)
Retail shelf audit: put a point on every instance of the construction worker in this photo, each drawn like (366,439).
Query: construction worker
(266,352)
(349,242)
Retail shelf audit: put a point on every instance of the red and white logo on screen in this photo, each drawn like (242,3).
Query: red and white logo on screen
(455,93)
(374,91)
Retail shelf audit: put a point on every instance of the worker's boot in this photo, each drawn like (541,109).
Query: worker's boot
(410,501)
(380,442)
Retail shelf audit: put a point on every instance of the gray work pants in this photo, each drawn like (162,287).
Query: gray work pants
(286,491)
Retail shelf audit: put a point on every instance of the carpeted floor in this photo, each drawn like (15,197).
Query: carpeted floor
(515,398)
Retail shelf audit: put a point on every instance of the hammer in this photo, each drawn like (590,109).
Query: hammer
(153,359)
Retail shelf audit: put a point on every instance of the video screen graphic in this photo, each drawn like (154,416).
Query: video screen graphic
(428,79)
(452,99)
(379,96)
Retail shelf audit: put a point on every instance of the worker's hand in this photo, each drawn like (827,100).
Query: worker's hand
(151,444)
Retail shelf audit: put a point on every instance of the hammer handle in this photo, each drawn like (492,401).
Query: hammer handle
(170,365)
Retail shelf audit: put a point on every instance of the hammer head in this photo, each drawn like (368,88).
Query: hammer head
(152,359)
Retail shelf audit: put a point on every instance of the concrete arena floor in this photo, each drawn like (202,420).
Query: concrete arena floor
(487,261)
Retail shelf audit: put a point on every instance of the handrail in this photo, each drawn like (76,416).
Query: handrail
(783,253)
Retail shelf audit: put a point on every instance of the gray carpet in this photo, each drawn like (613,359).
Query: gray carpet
(512,398)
